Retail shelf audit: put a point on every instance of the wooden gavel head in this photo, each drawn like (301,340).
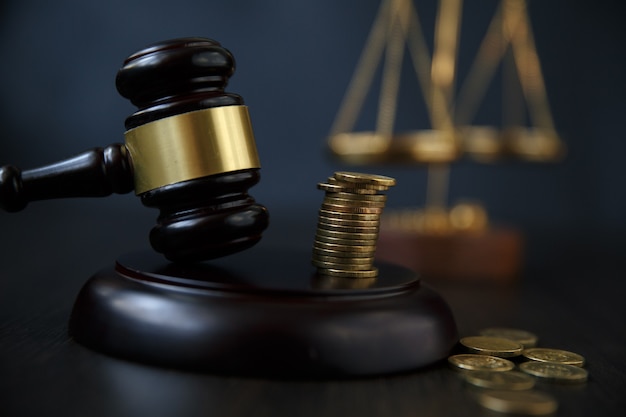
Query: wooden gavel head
(189,151)
(192,149)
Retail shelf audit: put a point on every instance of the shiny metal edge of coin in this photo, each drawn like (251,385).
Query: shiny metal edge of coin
(346,260)
(352,209)
(341,266)
(475,362)
(494,346)
(349,216)
(346,188)
(359,197)
(555,371)
(348,222)
(347,229)
(344,248)
(346,235)
(551,355)
(376,187)
(371,273)
(349,202)
(341,254)
(360,177)
(346,242)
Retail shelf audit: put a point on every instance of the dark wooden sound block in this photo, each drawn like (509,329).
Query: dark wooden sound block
(263,313)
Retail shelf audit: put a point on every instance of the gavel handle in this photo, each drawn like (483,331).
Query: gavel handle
(96,173)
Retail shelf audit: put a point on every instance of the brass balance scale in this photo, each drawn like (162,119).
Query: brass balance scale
(453,242)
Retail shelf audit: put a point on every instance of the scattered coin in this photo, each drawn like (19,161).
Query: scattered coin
(554,356)
(518,402)
(474,362)
(524,338)
(555,371)
(494,346)
(508,380)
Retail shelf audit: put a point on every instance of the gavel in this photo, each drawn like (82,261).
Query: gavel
(189,151)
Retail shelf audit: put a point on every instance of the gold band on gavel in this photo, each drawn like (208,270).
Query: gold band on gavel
(191,145)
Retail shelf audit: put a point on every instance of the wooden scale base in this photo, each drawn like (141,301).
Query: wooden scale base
(263,313)
(492,255)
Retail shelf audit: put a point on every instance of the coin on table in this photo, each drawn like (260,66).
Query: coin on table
(518,402)
(357,177)
(523,337)
(555,371)
(494,346)
(509,380)
(473,362)
(554,356)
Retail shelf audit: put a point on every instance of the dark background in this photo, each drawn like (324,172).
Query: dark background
(295,58)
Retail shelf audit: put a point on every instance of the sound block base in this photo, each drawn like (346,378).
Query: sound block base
(262,313)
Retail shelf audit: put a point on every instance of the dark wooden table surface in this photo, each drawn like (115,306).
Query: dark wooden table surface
(51,249)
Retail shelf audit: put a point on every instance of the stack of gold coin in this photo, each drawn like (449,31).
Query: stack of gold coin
(348,224)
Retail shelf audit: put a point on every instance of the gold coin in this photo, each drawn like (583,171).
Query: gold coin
(555,371)
(347,222)
(317,251)
(554,356)
(359,197)
(352,202)
(473,362)
(357,177)
(343,266)
(346,242)
(342,261)
(518,402)
(494,346)
(345,188)
(375,187)
(344,248)
(524,338)
(348,216)
(509,380)
(351,209)
(347,229)
(343,273)
(346,235)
